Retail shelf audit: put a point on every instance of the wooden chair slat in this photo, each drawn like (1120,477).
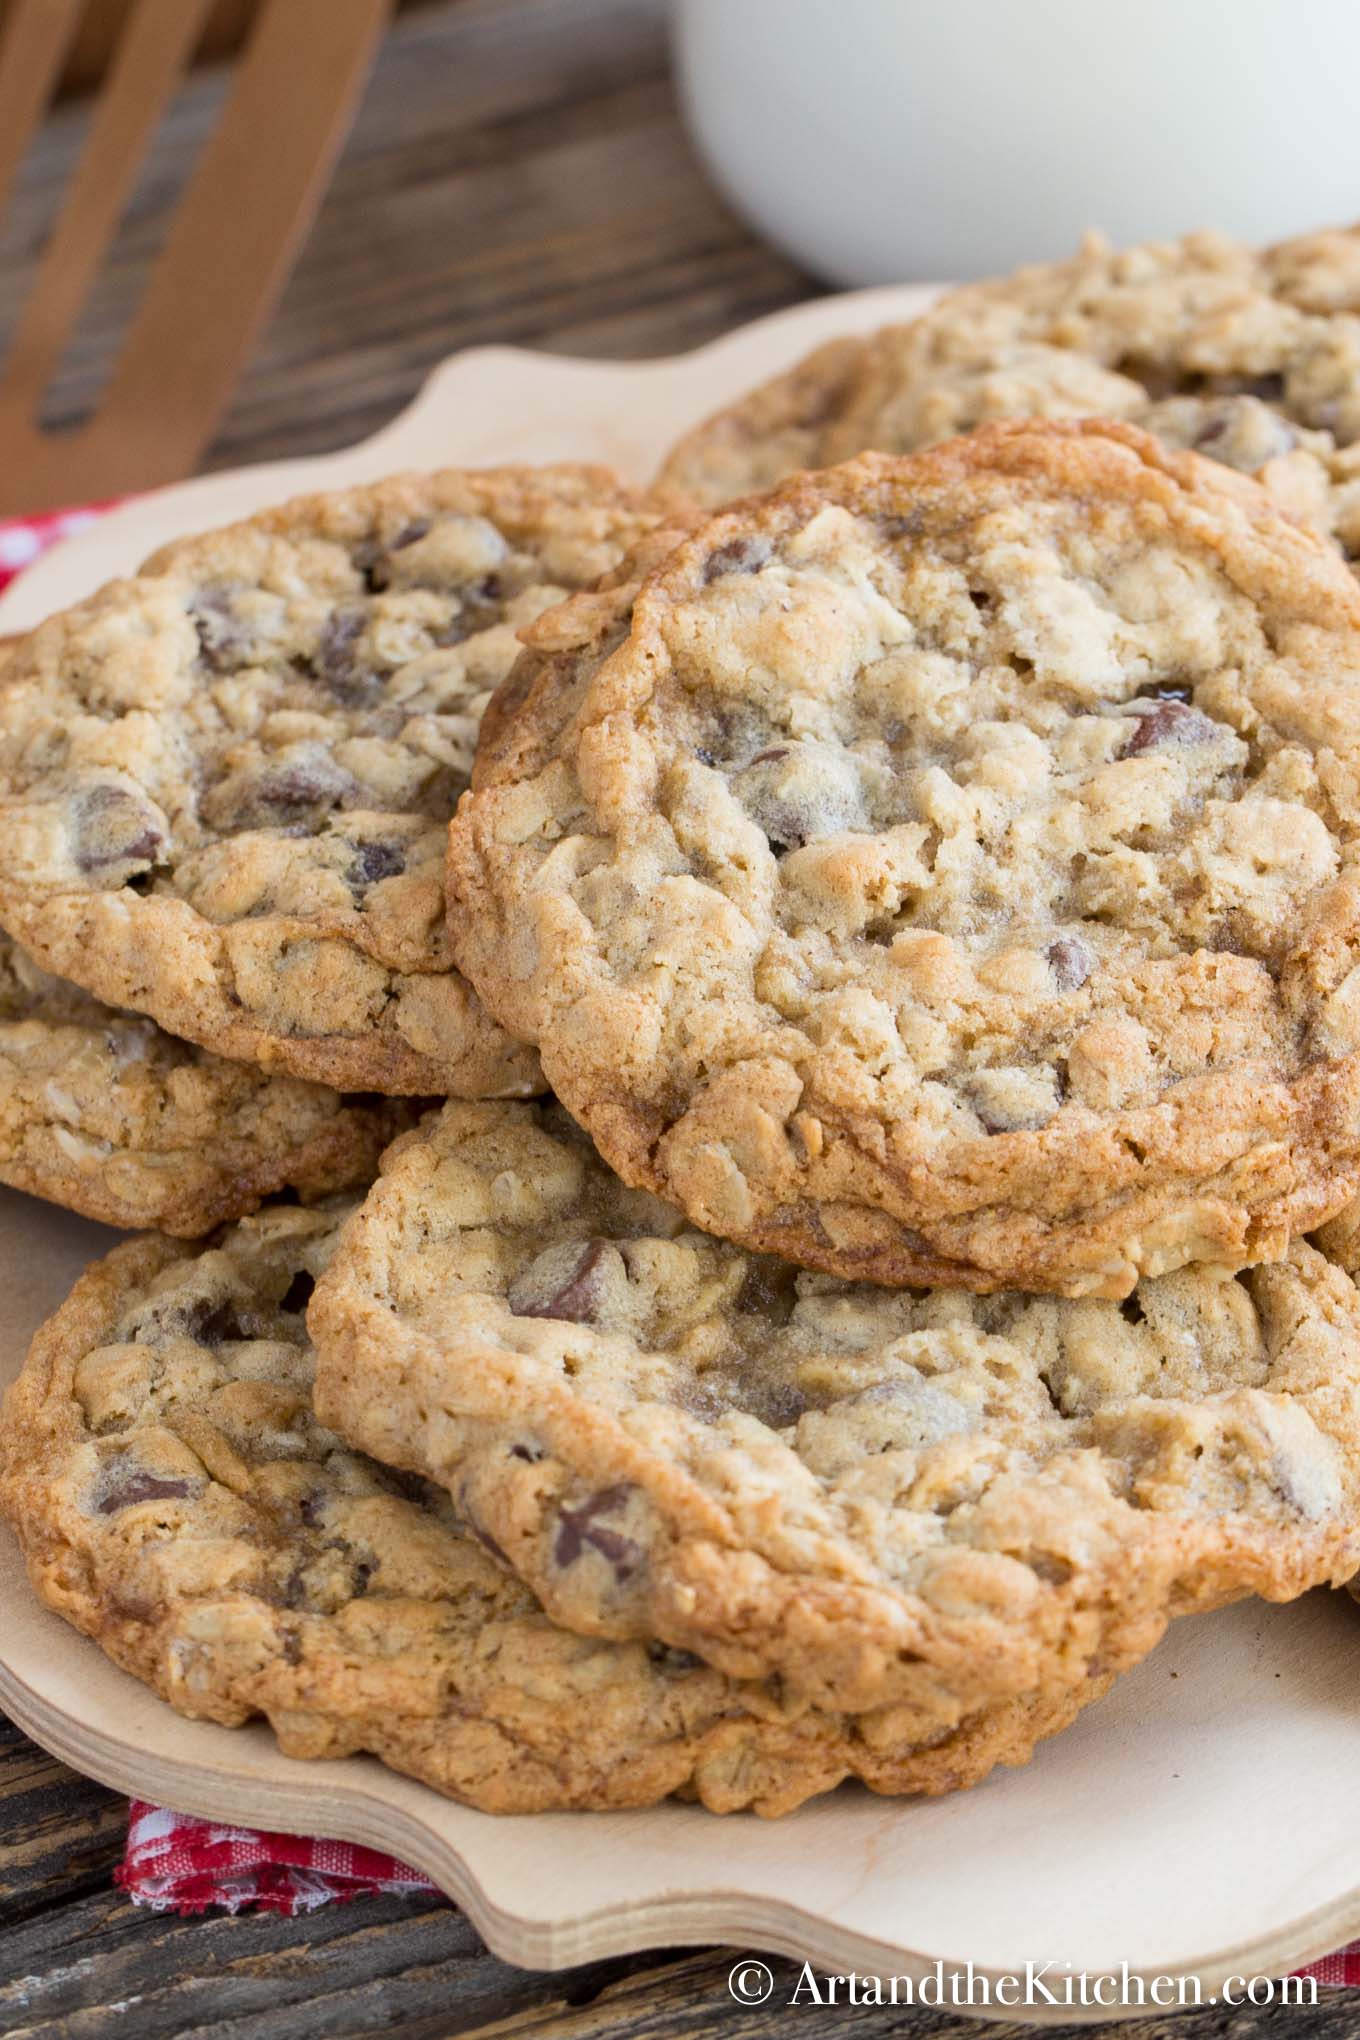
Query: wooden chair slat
(157,42)
(32,51)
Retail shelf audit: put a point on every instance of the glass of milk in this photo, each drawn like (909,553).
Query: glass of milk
(876,140)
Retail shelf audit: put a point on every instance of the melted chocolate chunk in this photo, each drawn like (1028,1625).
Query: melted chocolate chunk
(1172,721)
(370,558)
(294,790)
(375,861)
(114,826)
(213,1322)
(139,1484)
(565,1284)
(770,1289)
(798,793)
(1070,961)
(295,1594)
(222,645)
(336,664)
(673,1663)
(738,556)
(580,1530)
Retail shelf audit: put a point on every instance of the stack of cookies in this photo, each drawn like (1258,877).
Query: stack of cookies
(851,963)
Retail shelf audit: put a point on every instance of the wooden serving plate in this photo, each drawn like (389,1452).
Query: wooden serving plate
(1203,1821)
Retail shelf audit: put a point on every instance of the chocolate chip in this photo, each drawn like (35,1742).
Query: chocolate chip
(410,533)
(133,1484)
(797,793)
(297,788)
(369,558)
(1131,1309)
(336,663)
(213,1321)
(1171,722)
(293,793)
(673,1663)
(769,1288)
(222,645)
(738,556)
(114,826)
(480,608)
(566,1282)
(770,1399)
(580,1529)
(1070,961)
(374,862)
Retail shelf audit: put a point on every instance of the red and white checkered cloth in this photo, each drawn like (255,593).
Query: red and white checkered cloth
(23,538)
(175,1863)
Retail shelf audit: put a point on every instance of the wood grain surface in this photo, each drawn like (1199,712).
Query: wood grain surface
(517,173)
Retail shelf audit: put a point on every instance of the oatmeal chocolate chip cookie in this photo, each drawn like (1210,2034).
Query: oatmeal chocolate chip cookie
(104,1113)
(177,1500)
(945,869)
(1250,356)
(224,784)
(928,1500)
(774,430)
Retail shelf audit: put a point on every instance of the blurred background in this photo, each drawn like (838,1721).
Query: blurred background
(516,171)
(231,229)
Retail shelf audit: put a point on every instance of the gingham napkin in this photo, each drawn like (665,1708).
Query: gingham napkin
(23,538)
(175,1863)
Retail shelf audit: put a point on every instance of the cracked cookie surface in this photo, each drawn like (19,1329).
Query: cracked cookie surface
(929,1500)
(944,869)
(1250,356)
(224,783)
(178,1501)
(103,1112)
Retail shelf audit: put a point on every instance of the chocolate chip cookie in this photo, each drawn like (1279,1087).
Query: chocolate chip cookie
(103,1112)
(1249,356)
(944,869)
(177,1500)
(931,1501)
(224,783)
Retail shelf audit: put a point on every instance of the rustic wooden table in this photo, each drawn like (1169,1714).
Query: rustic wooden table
(518,173)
